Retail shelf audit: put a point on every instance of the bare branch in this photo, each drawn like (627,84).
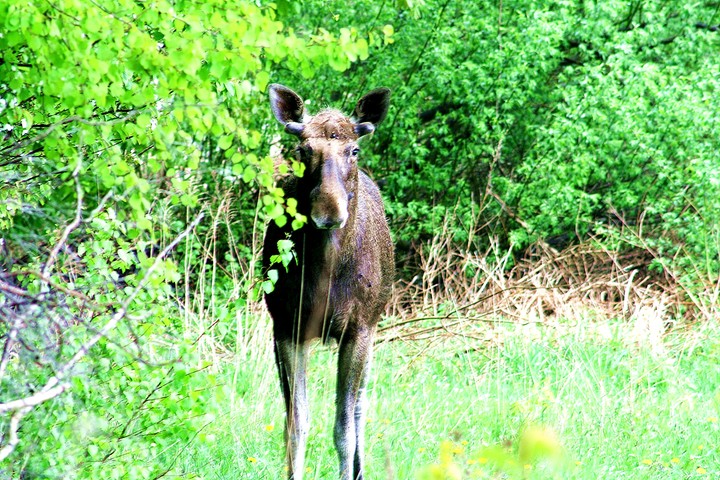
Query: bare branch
(13,428)
(6,287)
(33,400)
(72,226)
(462,308)
(12,289)
(57,384)
(120,314)
(9,342)
(75,118)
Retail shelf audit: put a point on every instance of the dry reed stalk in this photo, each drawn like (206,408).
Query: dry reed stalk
(459,290)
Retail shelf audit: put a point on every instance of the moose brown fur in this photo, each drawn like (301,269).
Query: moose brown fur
(340,282)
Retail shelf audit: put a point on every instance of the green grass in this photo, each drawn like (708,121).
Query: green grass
(620,408)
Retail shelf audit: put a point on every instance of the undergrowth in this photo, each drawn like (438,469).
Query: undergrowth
(586,363)
(580,399)
(592,362)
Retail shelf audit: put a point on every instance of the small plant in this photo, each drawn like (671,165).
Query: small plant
(537,448)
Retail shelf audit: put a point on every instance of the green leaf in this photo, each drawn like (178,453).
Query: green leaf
(225,142)
(248,174)
(261,80)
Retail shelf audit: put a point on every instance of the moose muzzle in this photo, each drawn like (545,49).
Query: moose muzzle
(329,200)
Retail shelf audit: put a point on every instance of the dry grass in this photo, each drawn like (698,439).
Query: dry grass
(460,289)
(463,291)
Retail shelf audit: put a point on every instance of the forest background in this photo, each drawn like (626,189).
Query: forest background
(551,178)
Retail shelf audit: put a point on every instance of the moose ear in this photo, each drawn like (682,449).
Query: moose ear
(372,109)
(288,107)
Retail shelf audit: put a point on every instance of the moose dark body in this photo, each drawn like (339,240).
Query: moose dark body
(341,281)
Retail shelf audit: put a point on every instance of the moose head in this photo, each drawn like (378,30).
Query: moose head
(329,149)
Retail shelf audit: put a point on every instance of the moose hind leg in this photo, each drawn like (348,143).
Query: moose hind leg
(291,360)
(353,371)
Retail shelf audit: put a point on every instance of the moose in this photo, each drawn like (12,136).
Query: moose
(340,281)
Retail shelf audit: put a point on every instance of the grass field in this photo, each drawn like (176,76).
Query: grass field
(600,399)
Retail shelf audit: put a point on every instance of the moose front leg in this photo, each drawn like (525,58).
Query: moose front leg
(353,372)
(291,360)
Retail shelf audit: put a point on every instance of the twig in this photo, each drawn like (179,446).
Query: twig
(52,258)
(6,287)
(9,342)
(13,428)
(505,208)
(74,118)
(110,325)
(17,291)
(33,400)
(460,309)
(57,384)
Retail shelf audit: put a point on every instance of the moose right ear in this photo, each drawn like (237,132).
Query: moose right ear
(288,107)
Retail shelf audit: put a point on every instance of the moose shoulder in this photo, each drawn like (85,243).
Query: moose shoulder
(341,281)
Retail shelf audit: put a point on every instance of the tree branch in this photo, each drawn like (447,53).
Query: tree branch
(72,226)
(74,118)
(13,428)
(57,384)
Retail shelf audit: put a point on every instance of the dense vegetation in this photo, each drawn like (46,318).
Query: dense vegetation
(136,174)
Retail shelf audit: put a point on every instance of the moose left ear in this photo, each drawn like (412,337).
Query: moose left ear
(372,109)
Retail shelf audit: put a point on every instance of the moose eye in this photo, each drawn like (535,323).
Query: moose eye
(355,151)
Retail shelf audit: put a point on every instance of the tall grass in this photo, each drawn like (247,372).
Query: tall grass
(587,346)
(620,408)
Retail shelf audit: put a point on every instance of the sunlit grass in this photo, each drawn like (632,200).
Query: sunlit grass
(597,404)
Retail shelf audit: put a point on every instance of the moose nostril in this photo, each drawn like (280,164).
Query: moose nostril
(329,219)
(329,223)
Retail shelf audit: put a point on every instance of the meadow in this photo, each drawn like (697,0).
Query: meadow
(582,398)
(550,175)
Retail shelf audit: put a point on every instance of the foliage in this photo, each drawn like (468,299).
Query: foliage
(136,172)
(536,446)
(123,124)
(142,99)
(147,412)
(556,119)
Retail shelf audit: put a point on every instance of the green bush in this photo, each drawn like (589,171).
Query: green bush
(123,123)
(559,120)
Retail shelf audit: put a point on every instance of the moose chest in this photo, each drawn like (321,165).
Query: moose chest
(321,292)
